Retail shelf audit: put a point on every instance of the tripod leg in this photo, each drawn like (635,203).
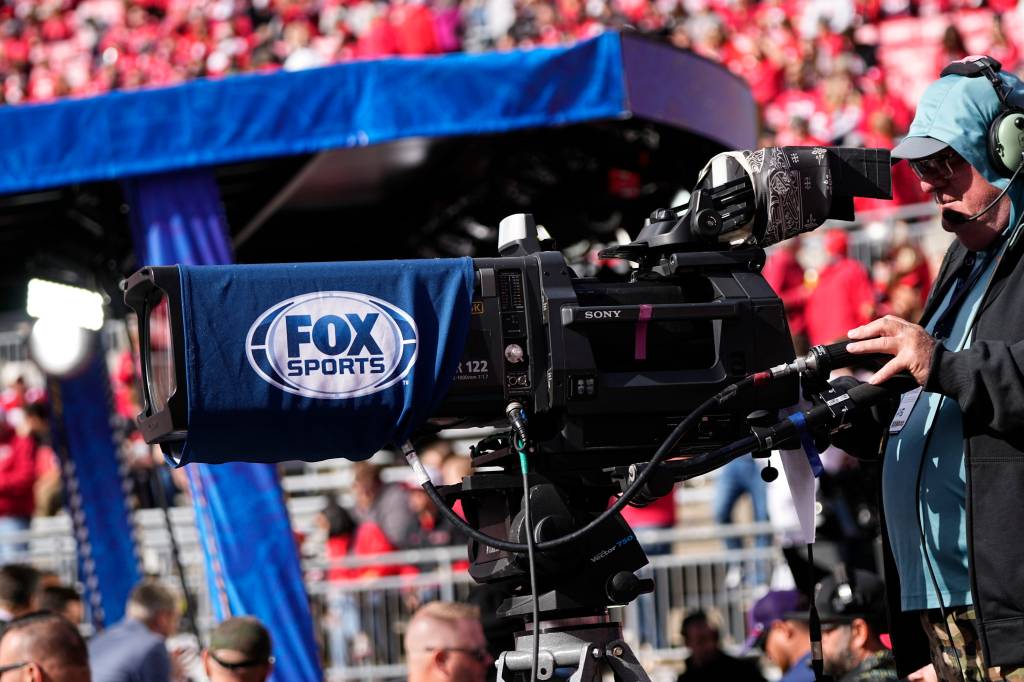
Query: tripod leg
(500,666)
(587,669)
(623,663)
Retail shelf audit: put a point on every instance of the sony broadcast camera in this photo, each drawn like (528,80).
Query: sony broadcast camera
(598,372)
(609,368)
(606,370)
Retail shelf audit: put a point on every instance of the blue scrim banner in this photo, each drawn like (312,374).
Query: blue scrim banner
(256,116)
(187,224)
(318,360)
(252,563)
(107,557)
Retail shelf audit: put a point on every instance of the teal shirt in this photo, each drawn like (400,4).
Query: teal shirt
(943,481)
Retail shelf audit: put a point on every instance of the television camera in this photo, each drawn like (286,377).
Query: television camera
(599,380)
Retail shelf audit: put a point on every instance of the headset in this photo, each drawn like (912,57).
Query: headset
(1006,132)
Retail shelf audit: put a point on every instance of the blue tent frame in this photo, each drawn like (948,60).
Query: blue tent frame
(213,122)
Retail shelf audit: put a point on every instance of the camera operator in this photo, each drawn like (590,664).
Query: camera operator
(953,455)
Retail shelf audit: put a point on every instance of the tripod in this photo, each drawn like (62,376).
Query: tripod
(577,649)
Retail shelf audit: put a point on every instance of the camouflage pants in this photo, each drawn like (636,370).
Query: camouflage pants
(966,646)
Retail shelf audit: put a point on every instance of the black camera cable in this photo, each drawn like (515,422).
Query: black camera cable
(517,418)
(924,546)
(423,479)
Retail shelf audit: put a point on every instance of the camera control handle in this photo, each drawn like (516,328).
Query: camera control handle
(821,360)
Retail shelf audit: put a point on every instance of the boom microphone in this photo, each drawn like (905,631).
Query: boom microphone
(958,219)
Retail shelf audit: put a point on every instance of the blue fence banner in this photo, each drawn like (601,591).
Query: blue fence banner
(252,562)
(95,485)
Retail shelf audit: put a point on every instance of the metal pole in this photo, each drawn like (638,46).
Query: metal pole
(157,488)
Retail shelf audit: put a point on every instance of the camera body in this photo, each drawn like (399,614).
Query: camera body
(609,368)
(313,361)
(605,367)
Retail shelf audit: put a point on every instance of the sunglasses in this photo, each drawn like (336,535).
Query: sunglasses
(937,167)
(12,667)
(239,665)
(479,654)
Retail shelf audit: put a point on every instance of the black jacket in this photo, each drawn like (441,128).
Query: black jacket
(722,668)
(987,381)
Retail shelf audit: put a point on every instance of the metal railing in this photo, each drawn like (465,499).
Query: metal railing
(366,617)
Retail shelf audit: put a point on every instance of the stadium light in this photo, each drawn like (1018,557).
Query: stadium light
(60,349)
(74,305)
(63,334)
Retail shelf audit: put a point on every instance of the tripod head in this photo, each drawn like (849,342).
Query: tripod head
(582,578)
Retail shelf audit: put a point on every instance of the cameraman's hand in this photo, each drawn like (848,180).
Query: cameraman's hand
(911,346)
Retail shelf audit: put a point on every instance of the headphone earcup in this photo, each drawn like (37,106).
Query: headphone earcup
(1006,141)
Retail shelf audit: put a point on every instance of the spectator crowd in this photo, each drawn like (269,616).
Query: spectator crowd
(813,65)
(816,79)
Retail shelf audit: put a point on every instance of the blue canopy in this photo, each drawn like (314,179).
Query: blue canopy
(213,122)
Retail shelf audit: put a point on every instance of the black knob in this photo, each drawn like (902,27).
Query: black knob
(769,474)
(624,587)
(709,223)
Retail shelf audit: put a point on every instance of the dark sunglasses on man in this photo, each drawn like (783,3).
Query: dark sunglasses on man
(13,666)
(480,654)
(239,665)
(937,167)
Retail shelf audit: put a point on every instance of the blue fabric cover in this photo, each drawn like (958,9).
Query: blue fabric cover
(252,563)
(108,560)
(212,122)
(290,362)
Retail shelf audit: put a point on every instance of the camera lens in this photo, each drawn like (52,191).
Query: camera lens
(160,377)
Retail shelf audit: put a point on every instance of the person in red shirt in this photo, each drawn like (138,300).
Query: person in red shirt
(843,297)
(905,280)
(1001,47)
(785,275)
(342,620)
(18,467)
(906,188)
(415,32)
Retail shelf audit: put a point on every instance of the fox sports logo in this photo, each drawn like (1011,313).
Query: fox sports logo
(332,345)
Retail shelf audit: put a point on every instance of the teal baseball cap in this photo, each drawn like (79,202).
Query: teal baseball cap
(956,111)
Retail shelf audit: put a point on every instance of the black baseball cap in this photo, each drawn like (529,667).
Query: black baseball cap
(840,599)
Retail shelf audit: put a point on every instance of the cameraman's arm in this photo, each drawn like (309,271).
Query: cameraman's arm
(987,380)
